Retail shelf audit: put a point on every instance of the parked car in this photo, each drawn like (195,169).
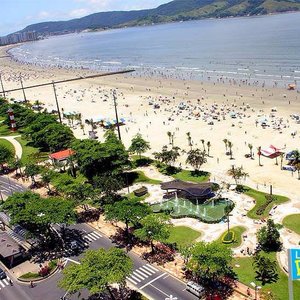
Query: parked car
(2,274)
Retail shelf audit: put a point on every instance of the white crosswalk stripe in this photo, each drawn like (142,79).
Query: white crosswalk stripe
(92,236)
(141,274)
(4,282)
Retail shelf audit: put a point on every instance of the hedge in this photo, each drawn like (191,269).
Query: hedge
(228,237)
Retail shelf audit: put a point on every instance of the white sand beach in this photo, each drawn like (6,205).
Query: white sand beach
(210,111)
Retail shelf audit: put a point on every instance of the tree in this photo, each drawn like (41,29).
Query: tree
(268,237)
(94,158)
(128,211)
(189,138)
(6,154)
(210,261)
(226,144)
(259,155)
(154,227)
(196,158)
(98,270)
(265,269)
(208,144)
(297,166)
(108,184)
(169,133)
(139,145)
(237,173)
(166,156)
(16,163)
(203,144)
(46,179)
(230,145)
(31,171)
(36,214)
(54,137)
(250,146)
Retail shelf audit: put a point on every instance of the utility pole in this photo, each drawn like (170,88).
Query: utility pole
(23,88)
(3,92)
(57,106)
(116,112)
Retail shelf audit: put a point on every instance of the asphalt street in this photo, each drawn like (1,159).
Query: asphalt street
(149,279)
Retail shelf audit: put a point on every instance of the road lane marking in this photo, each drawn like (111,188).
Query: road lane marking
(147,272)
(135,278)
(166,276)
(142,274)
(150,270)
(135,283)
(163,274)
(138,275)
(151,267)
(3,285)
(160,290)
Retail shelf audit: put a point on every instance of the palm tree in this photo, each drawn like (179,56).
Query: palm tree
(203,145)
(170,137)
(226,144)
(230,145)
(250,146)
(208,144)
(298,169)
(237,174)
(189,139)
(281,159)
(259,155)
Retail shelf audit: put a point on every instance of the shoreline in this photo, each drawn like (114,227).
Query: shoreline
(213,101)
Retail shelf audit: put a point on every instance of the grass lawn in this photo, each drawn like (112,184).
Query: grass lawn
(7,144)
(292,222)
(260,199)
(29,151)
(238,232)
(132,196)
(187,175)
(4,129)
(246,275)
(183,236)
(140,177)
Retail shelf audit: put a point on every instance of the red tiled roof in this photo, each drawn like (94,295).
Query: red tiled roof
(61,155)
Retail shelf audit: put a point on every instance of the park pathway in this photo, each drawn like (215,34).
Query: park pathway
(16,144)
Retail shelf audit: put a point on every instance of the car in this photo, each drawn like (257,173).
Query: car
(74,245)
(2,274)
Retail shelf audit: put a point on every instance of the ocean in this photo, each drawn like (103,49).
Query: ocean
(264,49)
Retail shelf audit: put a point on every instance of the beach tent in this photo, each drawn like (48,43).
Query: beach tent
(270,152)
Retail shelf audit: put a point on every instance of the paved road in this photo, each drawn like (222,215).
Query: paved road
(8,186)
(147,278)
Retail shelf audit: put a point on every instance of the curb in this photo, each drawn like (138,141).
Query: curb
(21,280)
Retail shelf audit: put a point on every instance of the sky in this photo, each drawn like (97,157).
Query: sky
(17,14)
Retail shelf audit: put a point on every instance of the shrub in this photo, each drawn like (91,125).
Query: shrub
(44,271)
(52,264)
(228,237)
(269,199)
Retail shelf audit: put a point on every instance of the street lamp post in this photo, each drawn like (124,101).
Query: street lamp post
(21,81)
(3,92)
(116,112)
(256,288)
(56,101)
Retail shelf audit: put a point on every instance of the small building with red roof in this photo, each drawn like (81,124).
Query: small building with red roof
(61,156)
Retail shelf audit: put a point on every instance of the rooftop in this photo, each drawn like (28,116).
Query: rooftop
(61,155)
(8,246)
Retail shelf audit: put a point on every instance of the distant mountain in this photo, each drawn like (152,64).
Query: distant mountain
(177,10)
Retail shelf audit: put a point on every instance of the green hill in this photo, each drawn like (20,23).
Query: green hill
(177,10)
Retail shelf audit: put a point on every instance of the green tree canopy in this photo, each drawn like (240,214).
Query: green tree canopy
(36,214)
(196,158)
(128,211)
(99,269)
(268,237)
(53,137)
(265,269)
(6,154)
(210,261)
(167,156)
(31,170)
(139,145)
(237,173)
(96,158)
(154,227)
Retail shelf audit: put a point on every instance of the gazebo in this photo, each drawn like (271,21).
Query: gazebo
(193,191)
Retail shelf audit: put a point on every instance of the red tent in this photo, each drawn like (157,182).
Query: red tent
(271,152)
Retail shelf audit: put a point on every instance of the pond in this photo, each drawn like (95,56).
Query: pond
(212,211)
